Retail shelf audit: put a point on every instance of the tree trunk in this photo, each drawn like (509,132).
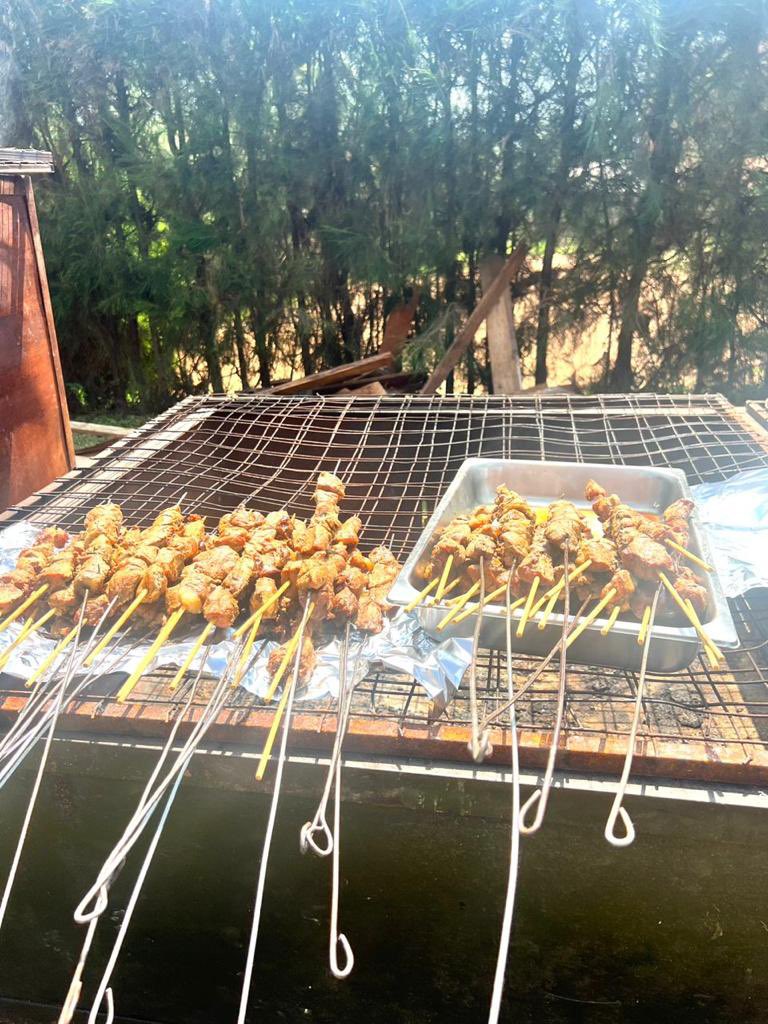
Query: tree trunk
(242,357)
(262,348)
(545,299)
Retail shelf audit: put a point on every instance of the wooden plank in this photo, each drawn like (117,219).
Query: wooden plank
(25,161)
(35,439)
(99,429)
(399,324)
(466,335)
(337,374)
(506,375)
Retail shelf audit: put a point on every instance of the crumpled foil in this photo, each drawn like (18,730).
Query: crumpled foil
(735,515)
(402,645)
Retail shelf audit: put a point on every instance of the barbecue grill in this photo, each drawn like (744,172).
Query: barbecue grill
(397,456)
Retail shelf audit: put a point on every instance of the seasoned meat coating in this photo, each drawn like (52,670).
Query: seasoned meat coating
(307,660)
(52,535)
(349,531)
(601,551)
(60,571)
(215,563)
(63,600)
(480,546)
(94,609)
(646,558)
(191,591)
(495,573)
(689,586)
(564,525)
(345,604)
(10,596)
(623,584)
(263,589)
(538,561)
(155,582)
(92,573)
(221,607)
(370,617)
(353,578)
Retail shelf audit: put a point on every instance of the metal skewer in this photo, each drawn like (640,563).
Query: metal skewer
(514,852)
(540,796)
(617,810)
(39,776)
(476,747)
(319,822)
(262,876)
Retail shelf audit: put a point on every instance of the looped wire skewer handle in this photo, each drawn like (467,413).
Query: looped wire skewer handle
(535,799)
(349,957)
(318,825)
(617,811)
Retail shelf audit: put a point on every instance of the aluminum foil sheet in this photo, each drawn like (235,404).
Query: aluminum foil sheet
(402,645)
(735,514)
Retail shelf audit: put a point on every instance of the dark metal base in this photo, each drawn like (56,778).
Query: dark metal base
(673,928)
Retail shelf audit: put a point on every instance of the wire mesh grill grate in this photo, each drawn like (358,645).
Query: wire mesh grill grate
(397,456)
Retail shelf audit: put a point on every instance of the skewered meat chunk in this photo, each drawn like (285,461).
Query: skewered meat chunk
(601,551)
(63,600)
(94,609)
(538,561)
(164,526)
(52,535)
(641,599)
(480,546)
(345,604)
(263,589)
(564,525)
(60,571)
(189,540)
(92,573)
(155,582)
(495,573)
(353,578)
(280,523)
(622,583)
(307,659)
(35,558)
(509,502)
(191,591)
(370,617)
(221,607)
(646,558)
(349,531)
(216,563)
(689,587)
(10,596)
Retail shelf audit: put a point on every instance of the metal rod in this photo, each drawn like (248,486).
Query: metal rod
(319,822)
(262,876)
(514,851)
(476,748)
(617,810)
(540,796)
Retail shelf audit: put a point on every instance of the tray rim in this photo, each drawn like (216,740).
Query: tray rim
(721,627)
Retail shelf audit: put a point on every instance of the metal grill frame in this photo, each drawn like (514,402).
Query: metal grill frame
(711,724)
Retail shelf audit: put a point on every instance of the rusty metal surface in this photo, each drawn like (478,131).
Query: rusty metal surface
(35,440)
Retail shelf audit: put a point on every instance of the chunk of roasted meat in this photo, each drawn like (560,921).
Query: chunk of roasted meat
(515,519)
(601,552)
(689,587)
(646,558)
(538,561)
(564,525)
(307,659)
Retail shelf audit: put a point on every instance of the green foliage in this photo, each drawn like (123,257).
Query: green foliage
(245,187)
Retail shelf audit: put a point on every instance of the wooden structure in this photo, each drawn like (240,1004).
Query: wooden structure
(35,437)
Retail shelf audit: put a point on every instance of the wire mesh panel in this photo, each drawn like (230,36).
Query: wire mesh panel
(396,457)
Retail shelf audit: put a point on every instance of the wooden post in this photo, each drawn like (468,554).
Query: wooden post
(466,335)
(35,437)
(500,326)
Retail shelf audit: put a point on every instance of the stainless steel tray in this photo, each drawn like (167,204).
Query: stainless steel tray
(644,488)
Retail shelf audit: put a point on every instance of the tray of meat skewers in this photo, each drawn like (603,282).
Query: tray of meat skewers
(507,530)
(249,568)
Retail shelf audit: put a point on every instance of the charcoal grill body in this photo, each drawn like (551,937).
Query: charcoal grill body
(674,922)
